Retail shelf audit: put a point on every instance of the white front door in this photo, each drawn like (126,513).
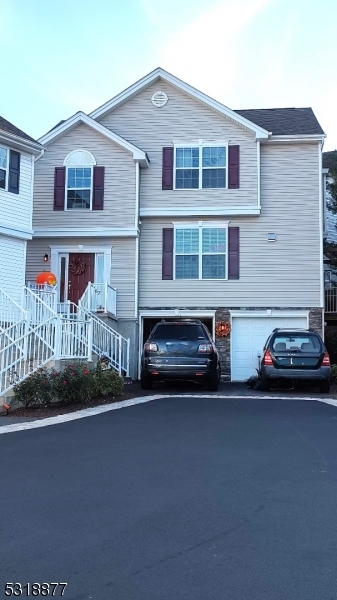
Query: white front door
(248,337)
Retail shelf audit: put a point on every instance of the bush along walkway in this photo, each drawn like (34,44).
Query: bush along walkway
(49,392)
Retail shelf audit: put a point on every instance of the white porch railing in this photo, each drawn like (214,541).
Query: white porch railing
(107,342)
(99,297)
(331,300)
(26,354)
(46,293)
(32,336)
(39,310)
(10,311)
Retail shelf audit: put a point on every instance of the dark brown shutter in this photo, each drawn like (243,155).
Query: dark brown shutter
(233,253)
(59,187)
(167,179)
(167,260)
(14,172)
(233,167)
(98,192)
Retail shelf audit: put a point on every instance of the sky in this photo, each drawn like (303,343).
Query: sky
(61,56)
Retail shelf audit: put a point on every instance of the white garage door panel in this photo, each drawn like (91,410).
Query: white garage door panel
(248,337)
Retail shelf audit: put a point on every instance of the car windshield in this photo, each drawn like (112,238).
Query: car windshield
(294,342)
(179,331)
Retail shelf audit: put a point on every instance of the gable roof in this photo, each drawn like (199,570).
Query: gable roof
(158,74)
(10,128)
(284,121)
(264,122)
(80,117)
(17,138)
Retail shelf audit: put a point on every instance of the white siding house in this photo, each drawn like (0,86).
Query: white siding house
(17,155)
(186,208)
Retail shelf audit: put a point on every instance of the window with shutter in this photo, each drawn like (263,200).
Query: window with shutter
(201,166)
(201,251)
(9,170)
(79,184)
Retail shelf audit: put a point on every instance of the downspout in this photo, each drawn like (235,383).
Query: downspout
(137,240)
(320,195)
(258,150)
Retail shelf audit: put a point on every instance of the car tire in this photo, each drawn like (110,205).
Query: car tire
(146,383)
(264,385)
(324,387)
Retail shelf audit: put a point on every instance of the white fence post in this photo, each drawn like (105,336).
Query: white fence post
(58,337)
(90,340)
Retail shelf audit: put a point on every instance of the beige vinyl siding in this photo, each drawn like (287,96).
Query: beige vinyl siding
(183,119)
(119,183)
(16,209)
(122,265)
(281,274)
(12,266)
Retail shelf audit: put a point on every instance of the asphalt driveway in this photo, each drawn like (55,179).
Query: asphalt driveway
(176,499)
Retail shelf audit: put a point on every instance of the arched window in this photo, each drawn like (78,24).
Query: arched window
(79,166)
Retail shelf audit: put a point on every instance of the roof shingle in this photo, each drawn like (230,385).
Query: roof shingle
(284,121)
(9,128)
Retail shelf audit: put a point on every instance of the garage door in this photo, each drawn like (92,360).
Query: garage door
(248,338)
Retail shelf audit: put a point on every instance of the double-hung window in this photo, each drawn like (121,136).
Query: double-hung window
(79,180)
(3,167)
(79,187)
(200,252)
(200,167)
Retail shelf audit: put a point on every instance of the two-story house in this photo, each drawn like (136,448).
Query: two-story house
(17,153)
(188,209)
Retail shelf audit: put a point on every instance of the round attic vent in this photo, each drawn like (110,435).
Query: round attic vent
(159,99)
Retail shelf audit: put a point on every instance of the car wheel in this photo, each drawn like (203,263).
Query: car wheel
(146,383)
(324,387)
(264,385)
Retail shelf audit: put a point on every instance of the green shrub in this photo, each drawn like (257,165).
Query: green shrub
(108,382)
(35,390)
(73,384)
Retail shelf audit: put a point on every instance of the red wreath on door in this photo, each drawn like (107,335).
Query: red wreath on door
(77,266)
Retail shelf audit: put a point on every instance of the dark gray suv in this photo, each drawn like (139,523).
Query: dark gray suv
(180,350)
(295,355)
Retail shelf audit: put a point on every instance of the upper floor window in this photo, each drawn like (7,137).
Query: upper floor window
(3,167)
(79,180)
(9,170)
(200,252)
(202,166)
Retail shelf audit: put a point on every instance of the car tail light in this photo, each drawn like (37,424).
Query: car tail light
(205,348)
(150,347)
(326,360)
(267,359)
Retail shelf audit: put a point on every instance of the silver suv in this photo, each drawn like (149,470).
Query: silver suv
(295,355)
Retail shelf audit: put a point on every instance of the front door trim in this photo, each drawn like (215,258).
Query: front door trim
(62,249)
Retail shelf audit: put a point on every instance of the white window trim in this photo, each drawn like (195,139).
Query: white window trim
(88,162)
(66,190)
(199,225)
(200,144)
(5,189)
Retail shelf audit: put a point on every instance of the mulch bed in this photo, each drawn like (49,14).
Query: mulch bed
(62,409)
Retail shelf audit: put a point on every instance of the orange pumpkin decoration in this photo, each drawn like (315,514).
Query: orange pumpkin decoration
(46,277)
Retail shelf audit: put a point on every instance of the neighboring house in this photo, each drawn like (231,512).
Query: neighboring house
(188,209)
(17,153)
(330,235)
